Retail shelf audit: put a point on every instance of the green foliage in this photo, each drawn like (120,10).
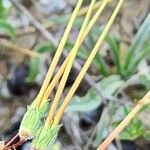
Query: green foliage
(34,64)
(63,20)
(126,67)
(5,27)
(85,50)
(3,10)
(138,50)
(145,80)
(133,131)
(102,126)
(92,100)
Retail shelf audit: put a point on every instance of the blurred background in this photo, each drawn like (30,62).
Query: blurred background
(118,77)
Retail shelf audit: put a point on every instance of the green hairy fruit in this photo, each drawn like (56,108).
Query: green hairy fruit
(31,121)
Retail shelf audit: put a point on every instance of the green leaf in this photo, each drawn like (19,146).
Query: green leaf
(115,52)
(63,20)
(140,39)
(145,80)
(133,131)
(101,128)
(145,53)
(92,100)
(5,27)
(98,61)
(45,47)
(3,10)
(33,69)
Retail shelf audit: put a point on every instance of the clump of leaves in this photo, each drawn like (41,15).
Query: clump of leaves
(4,10)
(5,26)
(138,50)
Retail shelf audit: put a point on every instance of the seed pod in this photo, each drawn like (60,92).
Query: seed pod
(31,121)
(45,137)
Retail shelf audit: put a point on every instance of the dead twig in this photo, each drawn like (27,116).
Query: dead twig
(25,51)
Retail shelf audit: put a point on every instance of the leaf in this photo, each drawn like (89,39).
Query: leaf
(133,131)
(45,47)
(145,53)
(101,127)
(145,80)
(92,100)
(63,20)
(115,51)
(3,10)
(140,39)
(35,62)
(98,61)
(33,69)
(7,28)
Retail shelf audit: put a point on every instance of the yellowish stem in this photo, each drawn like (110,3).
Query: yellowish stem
(60,72)
(84,10)
(125,122)
(57,54)
(68,67)
(54,81)
(86,65)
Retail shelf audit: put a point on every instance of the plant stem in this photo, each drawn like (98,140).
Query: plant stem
(125,122)
(58,54)
(40,28)
(12,140)
(69,65)
(62,68)
(86,65)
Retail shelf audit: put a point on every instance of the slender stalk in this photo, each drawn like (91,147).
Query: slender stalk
(125,122)
(68,67)
(12,140)
(86,65)
(54,81)
(58,53)
(84,10)
(49,37)
(62,68)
